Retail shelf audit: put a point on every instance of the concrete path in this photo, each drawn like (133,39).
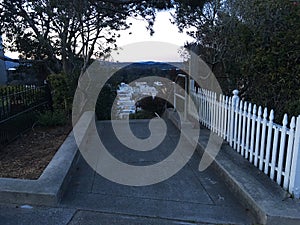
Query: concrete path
(189,197)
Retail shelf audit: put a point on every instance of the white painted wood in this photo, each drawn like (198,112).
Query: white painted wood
(219,116)
(247,148)
(257,137)
(231,132)
(211,112)
(240,113)
(174,96)
(225,118)
(244,131)
(213,118)
(222,117)
(288,160)
(199,106)
(234,105)
(269,141)
(235,133)
(215,112)
(207,108)
(274,152)
(294,186)
(204,106)
(251,152)
(263,140)
(282,149)
(229,116)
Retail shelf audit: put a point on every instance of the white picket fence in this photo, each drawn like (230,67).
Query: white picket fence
(250,130)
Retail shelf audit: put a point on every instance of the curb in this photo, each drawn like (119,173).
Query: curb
(49,188)
(268,202)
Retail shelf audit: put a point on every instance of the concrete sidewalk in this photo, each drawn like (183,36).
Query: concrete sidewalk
(189,197)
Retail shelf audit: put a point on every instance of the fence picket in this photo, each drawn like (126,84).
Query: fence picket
(294,185)
(215,112)
(201,109)
(207,100)
(219,106)
(209,111)
(243,129)
(289,152)
(263,140)
(281,149)
(240,112)
(229,121)
(225,118)
(199,104)
(222,115)
(252,133)
(274,153)
(212,108)
(206,108)
(269,138)
(257,137)
(235,123)
(248,131)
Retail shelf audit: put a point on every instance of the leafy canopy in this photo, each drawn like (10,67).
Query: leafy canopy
(64,35)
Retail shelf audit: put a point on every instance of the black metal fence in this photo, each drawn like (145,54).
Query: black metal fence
(19,107)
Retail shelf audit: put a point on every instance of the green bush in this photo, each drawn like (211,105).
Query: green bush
(142,115)
(104,103)
(49,118)
(62,94)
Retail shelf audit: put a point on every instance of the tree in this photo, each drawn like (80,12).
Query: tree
(201,22)
(65,35)
(270,71)
(254,44)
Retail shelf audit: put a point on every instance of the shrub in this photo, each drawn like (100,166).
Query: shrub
(104,103)
(49,118)
(62,95)
(142,115)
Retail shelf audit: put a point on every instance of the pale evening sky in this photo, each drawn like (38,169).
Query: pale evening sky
(165,32)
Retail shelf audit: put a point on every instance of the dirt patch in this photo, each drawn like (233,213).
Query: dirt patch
(29,155)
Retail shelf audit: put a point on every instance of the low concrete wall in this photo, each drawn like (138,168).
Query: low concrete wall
(269,203)
(48,189)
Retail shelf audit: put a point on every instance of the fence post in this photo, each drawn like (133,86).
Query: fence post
(174,95)
(185,98)
(192,85)
(294,186)
(234,105)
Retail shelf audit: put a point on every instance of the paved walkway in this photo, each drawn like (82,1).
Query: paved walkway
(189,197)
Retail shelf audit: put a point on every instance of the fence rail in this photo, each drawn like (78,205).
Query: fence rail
(251,131)
(18,109)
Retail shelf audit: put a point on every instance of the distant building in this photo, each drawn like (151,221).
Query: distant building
(126,105)
(3,72)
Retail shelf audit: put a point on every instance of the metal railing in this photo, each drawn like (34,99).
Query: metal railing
(19,106)
(182,96)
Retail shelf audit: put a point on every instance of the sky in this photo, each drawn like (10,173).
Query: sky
(162,46)
(140,46)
